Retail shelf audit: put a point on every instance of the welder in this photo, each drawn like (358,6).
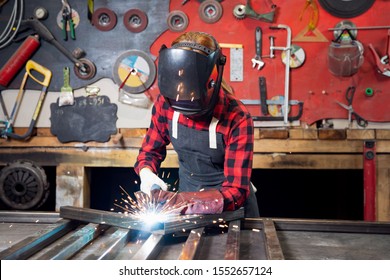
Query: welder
(208,127)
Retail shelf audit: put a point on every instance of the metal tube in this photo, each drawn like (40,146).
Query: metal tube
(151,248)
(192,245)
(32,244)
(274,250)
(287,69)
(359,28)
(233,241)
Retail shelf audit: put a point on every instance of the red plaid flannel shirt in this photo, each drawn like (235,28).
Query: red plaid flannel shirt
(236,126)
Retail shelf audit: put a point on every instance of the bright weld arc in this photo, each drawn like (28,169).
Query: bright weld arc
(148,211)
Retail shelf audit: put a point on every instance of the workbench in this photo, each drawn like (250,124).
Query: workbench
(45,235)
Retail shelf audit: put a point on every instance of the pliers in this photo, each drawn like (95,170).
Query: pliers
(351,113)
(67,21)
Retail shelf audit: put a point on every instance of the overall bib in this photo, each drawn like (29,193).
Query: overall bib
(201,160)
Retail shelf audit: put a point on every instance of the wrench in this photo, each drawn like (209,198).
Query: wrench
(257,59)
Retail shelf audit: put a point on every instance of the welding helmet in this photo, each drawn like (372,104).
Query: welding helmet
(189,80)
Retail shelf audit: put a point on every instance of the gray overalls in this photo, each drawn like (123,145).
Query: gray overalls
(201,160)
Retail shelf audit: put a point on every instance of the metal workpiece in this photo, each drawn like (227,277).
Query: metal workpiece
(193,243)
(274,251)
(37,241)
(123,220)
(72,243)
(233,241)
(237,239)
(151,248)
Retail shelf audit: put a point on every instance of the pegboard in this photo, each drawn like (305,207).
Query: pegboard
(100,47)
(311,83)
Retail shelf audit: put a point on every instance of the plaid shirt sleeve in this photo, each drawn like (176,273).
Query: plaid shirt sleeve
(238,157)
(153,149)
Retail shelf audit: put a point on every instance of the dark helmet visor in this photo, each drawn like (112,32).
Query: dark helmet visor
(183,77)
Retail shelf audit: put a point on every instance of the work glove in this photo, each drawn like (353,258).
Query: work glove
(205,202)
(150,180)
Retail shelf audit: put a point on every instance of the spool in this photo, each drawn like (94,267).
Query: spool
(18,59)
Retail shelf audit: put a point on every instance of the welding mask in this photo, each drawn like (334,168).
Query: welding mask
(190,81)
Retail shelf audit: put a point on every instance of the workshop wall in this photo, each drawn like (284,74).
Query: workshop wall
(311,83)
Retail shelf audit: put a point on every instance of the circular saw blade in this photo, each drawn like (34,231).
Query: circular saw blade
(135,71)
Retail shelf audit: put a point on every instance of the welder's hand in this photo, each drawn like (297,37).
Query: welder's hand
(148,179)
(205,202)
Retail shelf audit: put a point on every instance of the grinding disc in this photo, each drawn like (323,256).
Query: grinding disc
(135,20)
(210,11)
(297,56)
(104,19)
(346,9)
(177,21)
(141,68)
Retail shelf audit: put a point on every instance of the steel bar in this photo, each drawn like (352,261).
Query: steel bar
(151,248)
(332,226)
(65,249)
(34,243)
(360,28)
(274,250)
(178,223)
(29,217)
(192,246)
(188,222)
(108,246)
(288,224)
(232,251)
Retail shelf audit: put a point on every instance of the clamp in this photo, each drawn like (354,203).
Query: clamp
(67,21)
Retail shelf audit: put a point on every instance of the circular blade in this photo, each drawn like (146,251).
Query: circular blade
(136,70)
(277,110)
(297,56)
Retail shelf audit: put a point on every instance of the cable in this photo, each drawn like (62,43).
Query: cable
(13,24)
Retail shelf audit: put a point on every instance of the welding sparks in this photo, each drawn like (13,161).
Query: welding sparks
(149,210)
